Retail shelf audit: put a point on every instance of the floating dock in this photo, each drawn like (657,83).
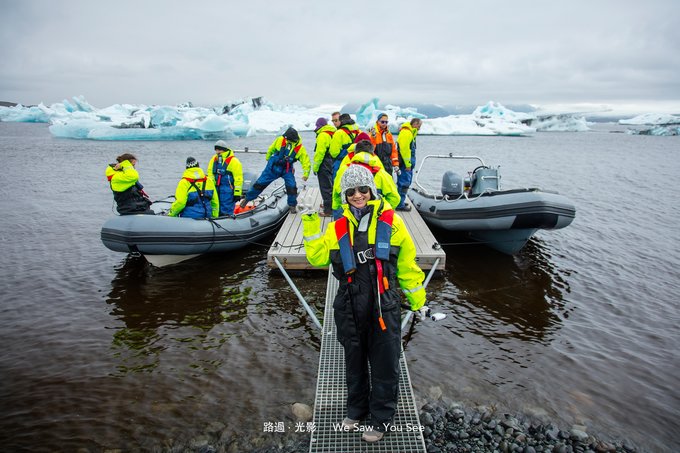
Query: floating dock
(331,399)
(288,247)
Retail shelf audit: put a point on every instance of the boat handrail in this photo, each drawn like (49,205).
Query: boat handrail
(441,156)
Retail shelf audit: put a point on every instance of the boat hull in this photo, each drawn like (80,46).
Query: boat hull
(504,220)
(163,235)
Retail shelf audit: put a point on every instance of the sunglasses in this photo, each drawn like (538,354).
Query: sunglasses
(383,122)
(352,191)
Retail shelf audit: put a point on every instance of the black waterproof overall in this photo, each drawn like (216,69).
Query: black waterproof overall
(131,201)
(360,333)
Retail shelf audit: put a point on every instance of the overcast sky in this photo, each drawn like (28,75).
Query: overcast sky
(314,52)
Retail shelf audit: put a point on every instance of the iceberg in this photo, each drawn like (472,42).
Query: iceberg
(662,124)
(558,122)
(254,116)
(652,119)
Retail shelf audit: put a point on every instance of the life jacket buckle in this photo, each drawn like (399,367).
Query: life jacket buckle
(365,255)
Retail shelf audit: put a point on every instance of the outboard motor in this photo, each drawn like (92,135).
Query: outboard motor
(484,179)
(248,180)
(452,185)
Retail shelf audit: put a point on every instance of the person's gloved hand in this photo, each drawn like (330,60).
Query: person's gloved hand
(396,170)
(237,198)
(307,205)
(424,312)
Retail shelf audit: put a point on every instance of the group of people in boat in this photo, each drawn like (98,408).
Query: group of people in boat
(198,195)
(219,190)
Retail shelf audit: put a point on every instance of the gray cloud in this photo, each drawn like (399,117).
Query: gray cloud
(210,52)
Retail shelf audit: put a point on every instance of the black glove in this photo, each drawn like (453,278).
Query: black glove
(237,198)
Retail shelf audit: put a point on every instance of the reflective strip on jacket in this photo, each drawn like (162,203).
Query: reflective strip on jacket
(318,247)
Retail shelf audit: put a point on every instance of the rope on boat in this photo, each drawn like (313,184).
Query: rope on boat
(261,206)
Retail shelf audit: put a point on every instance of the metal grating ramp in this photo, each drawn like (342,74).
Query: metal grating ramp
(331,396)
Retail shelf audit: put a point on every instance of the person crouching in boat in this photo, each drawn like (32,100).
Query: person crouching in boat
(374,258)
(195,196)
(128,193)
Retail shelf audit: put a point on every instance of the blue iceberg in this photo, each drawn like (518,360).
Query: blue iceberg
(253,116)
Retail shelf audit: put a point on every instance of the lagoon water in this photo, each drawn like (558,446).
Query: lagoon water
(102,351)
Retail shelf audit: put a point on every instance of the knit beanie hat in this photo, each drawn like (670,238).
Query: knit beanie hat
(291,135)
(362,136)
(191,162)
(321,122)
(356,176)
(221,145)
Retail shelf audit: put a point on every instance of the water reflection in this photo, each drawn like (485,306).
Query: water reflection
(522,293)
(177,304)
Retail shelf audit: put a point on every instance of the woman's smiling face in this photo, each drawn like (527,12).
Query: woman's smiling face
(358,196)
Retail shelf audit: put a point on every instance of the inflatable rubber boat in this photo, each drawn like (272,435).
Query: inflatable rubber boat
(167,240)
(475,205)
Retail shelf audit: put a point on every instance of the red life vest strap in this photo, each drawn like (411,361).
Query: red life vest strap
(352,134)
(194,181)
(370,168)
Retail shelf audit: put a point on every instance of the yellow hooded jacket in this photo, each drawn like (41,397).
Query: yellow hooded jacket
(324,137)
(383,180)
(302,155)
(318,248)
(121,180)
(234,167)
(407,134)
(342,138)
(184,187)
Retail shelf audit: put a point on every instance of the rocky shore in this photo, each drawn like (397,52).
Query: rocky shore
(453,428)
(457,429)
